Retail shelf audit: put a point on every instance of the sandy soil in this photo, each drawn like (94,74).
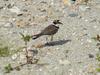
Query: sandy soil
(72,46)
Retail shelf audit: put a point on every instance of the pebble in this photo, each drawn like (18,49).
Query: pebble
(64,62)
(57,48)
(14,57)
(89,41)
(95,26)
(52,2)
(8,25)
(86,20)
(73,14)
(91,55)
(74,33)
(15,9)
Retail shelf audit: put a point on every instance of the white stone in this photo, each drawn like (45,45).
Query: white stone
(40,69)
(14,57)
(52,2)
(86,20)
(89,41)
(74,33)
(8,25)
(57,48)
(16,10)
(64,62)
(94,26)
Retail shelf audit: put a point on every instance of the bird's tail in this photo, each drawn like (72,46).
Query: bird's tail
(36,36)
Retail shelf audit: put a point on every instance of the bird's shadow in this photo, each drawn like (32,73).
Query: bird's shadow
(54,43)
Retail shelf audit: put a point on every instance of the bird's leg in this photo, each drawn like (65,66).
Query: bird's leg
(51,38)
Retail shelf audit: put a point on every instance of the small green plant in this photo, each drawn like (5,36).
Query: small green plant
(8,68)
(97,38)
(98,57)
(4,51)
(26,39)
(98,69)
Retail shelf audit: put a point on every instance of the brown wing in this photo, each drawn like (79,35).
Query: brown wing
(50,30)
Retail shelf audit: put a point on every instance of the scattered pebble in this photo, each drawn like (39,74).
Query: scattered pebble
(31,15)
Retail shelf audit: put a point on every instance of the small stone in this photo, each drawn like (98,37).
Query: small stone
(14,57)
(89,41)
(20,14)
(24,0)
(8,25)
(73,14)
(94,26)
(10,5)
(40,69)
(52,2)
(74,33)
(15,9)
(86,20)
(64,62)
(57,48)
(91,55)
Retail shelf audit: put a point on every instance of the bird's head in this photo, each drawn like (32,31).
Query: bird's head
(57,22)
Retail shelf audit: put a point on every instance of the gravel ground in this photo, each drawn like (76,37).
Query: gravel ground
(73,51)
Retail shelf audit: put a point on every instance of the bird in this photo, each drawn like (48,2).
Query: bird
(49,30)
